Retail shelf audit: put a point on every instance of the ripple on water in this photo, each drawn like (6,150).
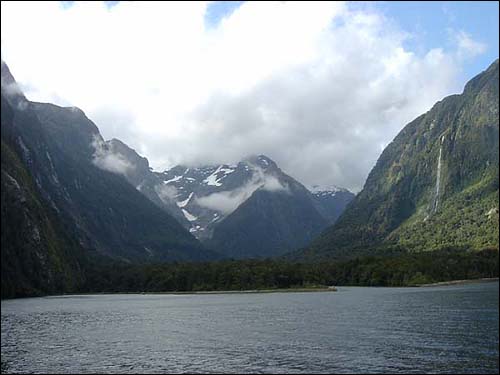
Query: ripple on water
(394,330)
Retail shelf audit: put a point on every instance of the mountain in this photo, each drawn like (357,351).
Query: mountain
(269,224)
(37,254)
(434,187)
(82,179)
(142,177)
(279,214)
(252,208)
(331,201)
(208,194)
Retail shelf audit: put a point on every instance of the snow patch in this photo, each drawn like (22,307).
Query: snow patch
(188,216)
(196,229)
(185,202)
(264,161)
(212,180)
(227,170)
(227,201)
(176,178)
(324,188)
(325,193)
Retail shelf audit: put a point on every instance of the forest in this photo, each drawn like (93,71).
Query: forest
(399,270)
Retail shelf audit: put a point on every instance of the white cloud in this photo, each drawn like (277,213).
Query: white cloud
(167,193)
(467,47)
(227,201)
(108,160)
(318,87)
(273,184)
(10,89)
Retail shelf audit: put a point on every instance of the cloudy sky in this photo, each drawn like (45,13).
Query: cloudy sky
(321,88)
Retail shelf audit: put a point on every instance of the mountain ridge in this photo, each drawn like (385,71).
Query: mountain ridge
(433,184)
(59,147)
(208,194)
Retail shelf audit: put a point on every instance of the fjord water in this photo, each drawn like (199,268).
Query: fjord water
(446,329)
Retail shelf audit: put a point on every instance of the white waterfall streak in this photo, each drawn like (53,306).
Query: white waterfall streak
(438,179)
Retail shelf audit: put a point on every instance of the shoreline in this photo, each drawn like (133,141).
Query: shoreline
(265,291)
(251,291)
(295,290)
(202,292)
(459,282)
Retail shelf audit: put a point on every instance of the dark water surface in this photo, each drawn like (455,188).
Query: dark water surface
(448,329)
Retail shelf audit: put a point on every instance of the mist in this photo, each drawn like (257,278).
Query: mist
(104,158)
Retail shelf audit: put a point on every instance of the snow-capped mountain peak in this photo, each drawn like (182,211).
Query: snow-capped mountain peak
(207,194)
(325,188)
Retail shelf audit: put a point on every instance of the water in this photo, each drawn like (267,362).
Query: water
(438,180)
(450,329)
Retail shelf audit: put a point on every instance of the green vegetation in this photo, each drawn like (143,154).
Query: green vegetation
(38,257)
(407,204)
(410,224)
(404,270)
(468,220)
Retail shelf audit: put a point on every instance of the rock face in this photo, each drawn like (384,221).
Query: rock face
(38,256)
(142,177)
(251,209)
(207,195)
(331,201)
(433,186)
(269,224)
(101,197)
(83,180)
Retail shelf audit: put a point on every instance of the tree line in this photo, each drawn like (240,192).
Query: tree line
(402,270)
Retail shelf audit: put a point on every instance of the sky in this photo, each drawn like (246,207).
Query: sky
(320,88)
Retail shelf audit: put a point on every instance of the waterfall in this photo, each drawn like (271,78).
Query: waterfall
(435,202)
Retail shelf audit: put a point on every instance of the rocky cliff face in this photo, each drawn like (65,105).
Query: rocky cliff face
(207,195)
(269,223)
(252,208)
(434,186)
(38,256)
(331,201)
(278,215)
(142,177)
(83,180)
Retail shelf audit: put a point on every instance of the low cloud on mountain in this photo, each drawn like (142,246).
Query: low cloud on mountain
(108,160)
(227,201)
